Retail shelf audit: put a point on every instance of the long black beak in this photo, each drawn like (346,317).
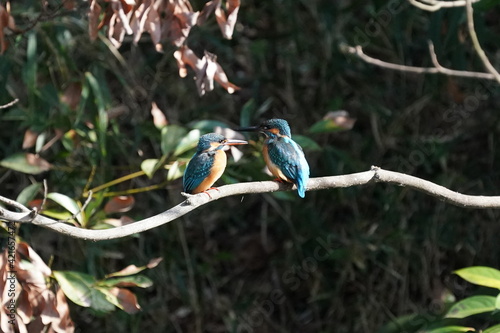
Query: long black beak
(248,129)
(235,142)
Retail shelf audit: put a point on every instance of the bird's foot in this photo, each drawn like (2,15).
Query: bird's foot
(211,188)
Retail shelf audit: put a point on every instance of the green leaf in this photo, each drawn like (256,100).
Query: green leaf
(149,166)
(175,171)
(29,193)
(325,126)
(450,329)
(483,276)
(19,162)
(497,303)
(79,288)
(207,125)
(306,143)
(67,203)
(102,118)
(40,141)
(122,298)
(492,329)
(170,137)
(188,142)
(471,306)
(127,281)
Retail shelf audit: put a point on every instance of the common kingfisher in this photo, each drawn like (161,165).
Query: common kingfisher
(284,157)
(208,163)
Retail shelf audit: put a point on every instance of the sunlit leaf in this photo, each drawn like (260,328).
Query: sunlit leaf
(28,193)
(76,286)
(140,281)
(471,306)
(188,142)
(483,276)
(67,203)
(174,172)
(450,329)
(149,166)
(26,162)
(171,135)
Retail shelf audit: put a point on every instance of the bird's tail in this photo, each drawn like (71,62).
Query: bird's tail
(301,186)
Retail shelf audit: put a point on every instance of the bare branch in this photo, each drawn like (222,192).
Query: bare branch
(9,104)
(438,69)
(435,5)
(477,45)
(193,202)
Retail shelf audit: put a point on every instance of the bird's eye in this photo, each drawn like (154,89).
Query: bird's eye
(222,141)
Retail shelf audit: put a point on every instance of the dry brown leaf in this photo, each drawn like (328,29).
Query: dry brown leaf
(72,95)
(123,220)
(38,309)
(36,160)
(159,119)
(341,118)
(206,70)
(154,262)
(120,204)
(227,21)
(29,138)
(178,19)
(94,12)
(127,299)
(207,10)
(6,23)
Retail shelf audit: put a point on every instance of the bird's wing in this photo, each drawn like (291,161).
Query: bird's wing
(197,170)
(288,155)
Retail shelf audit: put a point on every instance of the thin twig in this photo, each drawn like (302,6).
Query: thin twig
(358,51)
(434,5)
(193,202)
(477,45)
(9,104)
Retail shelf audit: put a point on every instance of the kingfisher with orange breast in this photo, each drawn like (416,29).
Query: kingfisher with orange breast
(208,163)
(284,157)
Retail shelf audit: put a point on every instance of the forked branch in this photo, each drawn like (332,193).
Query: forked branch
(193,202)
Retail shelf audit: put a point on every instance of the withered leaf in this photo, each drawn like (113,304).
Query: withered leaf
(206,70)
(30,137)
(119,204)
(94,12)
(126,299)
(227,21)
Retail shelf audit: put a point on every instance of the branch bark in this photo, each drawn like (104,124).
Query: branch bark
(195,201)
(437,69)
(434,5)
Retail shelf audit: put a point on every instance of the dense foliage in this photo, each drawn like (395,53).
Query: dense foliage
(342,260)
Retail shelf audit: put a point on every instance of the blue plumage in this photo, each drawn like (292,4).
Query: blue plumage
(208,163)
(284,157)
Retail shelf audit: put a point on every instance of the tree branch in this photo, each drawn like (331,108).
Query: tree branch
(438,69)
(195,201)
(477,45)
(435,5)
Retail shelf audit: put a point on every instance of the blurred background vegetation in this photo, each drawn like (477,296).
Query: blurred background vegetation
(340,260)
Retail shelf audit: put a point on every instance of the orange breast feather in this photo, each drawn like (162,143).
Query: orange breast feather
(220,161)
(275,170)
